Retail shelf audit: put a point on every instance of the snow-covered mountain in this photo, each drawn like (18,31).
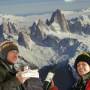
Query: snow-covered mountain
(80,25)
(47,43)
(40,30)
(58,22)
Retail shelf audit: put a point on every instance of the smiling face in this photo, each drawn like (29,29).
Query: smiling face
(83,68)
(12,56)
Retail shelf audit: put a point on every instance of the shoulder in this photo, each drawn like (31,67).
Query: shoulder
(2,72)
(2,64)
(2,68)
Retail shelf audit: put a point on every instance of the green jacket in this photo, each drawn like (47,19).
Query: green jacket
(81,84)
(8,80)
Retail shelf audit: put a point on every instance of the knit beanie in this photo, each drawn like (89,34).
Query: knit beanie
(85,57)
(5,47)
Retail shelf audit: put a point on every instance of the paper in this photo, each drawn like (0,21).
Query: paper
(31,73)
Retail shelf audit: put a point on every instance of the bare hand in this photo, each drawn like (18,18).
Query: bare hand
(52,84)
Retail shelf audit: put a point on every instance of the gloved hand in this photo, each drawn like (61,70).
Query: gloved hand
(20,76)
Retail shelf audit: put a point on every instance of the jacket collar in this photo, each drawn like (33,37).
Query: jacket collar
(86,77)
(9,68)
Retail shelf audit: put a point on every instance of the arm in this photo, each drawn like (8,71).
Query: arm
(53,87)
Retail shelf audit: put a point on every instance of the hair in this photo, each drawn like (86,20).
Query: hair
(5,47)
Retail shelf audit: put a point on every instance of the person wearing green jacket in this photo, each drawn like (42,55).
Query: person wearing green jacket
(82,66)
(10,79)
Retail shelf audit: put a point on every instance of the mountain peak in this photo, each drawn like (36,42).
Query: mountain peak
(55,15)
(58,21)
(58,11)
(40,22)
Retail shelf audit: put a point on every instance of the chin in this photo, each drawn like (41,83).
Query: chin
(14,62)
(83,74)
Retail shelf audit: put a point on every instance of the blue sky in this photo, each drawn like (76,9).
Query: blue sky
(30,7)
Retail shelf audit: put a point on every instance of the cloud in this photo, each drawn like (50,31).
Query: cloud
(69,0)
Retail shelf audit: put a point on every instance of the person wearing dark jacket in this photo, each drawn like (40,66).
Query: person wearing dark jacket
(10,79)
(82,66)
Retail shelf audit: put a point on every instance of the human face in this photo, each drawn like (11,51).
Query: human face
(12,56)
(83,68)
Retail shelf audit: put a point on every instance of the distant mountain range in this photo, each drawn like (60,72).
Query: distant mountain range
(47,43)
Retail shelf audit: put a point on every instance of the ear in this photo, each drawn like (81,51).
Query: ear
(3,56)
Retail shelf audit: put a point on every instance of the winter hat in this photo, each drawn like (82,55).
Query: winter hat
(82,57)
(5,47)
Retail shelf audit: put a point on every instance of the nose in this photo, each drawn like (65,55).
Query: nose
(80,67)
(16,54)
